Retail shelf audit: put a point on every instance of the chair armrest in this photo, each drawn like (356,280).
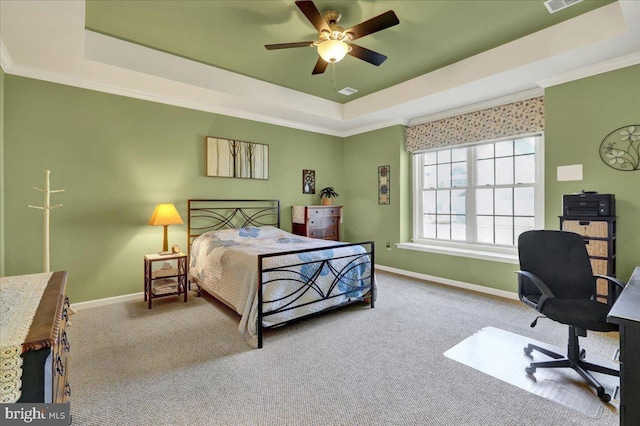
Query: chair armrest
(611,279)
(546,293)
(614,288)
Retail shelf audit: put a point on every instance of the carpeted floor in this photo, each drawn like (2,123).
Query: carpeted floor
(180,364)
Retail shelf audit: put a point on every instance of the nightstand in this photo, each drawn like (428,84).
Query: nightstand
(165,275)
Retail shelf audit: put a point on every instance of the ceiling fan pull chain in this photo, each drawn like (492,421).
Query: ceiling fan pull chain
(333,75)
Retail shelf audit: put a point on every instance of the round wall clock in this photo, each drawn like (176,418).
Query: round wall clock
(620,149)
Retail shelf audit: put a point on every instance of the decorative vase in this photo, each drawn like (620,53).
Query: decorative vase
(326,202)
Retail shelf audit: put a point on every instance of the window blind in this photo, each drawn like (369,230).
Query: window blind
(517,118)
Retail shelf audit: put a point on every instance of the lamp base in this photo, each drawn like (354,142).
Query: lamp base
(164,253)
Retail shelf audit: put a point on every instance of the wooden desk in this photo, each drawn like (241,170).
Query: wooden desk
(626,313)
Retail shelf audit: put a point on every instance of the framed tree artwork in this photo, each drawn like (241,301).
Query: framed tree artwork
(238,159)
(308,181)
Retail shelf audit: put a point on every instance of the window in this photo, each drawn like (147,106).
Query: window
(480,196)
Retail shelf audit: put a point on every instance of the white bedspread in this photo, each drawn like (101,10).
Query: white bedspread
(225,264)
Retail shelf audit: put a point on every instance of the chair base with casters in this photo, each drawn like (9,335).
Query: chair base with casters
(556,279)
(575,360)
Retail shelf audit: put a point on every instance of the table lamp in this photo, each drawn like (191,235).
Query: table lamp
(165,215)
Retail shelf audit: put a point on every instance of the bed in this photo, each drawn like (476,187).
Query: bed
(270,277)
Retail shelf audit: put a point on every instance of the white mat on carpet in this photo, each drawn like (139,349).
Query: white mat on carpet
(500,354)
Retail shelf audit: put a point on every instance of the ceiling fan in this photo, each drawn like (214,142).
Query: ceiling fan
(334,42)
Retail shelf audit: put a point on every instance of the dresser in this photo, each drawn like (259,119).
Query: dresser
(45,351)
(599,235)
(317,221)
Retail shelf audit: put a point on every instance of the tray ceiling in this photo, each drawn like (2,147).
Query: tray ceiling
(231,35)
(445,57)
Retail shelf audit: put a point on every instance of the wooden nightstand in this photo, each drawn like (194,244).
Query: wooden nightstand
(319,222)
(168,277)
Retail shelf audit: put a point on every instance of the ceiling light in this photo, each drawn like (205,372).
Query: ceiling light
(333,50)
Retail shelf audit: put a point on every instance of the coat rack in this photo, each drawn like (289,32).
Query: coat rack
(47,191)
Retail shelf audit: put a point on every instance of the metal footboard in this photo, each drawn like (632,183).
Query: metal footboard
(347,276)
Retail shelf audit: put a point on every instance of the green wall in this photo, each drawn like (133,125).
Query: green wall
(363,154)
(578,116)
(118,157)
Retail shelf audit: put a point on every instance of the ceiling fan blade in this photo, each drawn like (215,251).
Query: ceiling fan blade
(366,55)
(380,22)
(320,67)
(313,15)
(288,45)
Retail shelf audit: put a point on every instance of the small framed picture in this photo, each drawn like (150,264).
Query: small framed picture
(308,181)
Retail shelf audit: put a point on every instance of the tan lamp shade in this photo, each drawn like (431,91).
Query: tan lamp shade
(165,215)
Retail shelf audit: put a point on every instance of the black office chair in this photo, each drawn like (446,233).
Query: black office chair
(556,279)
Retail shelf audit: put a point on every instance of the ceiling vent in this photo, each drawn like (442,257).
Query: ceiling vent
(347,91)
(556,5)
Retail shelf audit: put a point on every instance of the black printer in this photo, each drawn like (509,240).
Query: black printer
(589,204)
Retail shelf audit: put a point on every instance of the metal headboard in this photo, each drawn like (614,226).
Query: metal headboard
(216,214)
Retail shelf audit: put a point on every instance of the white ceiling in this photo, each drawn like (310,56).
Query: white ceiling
(47,40)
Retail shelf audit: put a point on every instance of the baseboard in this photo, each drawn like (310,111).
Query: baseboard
(452,283)
(107,301)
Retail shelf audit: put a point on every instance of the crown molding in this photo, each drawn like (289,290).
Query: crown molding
(49,42)
(66,80)
(5,59)
(491,103)
(376,126)
(600,68)
(74,81)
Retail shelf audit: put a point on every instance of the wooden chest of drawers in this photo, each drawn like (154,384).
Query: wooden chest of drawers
(319,222)
(45,352)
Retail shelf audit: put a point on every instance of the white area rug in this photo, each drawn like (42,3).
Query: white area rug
(500,354)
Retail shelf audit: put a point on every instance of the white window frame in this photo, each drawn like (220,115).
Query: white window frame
(494,252)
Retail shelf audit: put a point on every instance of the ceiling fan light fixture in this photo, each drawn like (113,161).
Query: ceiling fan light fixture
(334,42)
(333,50)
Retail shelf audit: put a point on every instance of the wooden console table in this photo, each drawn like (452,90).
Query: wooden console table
(626,313)
(44,376)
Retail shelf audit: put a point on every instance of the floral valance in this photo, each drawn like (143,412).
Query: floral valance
(512,119)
